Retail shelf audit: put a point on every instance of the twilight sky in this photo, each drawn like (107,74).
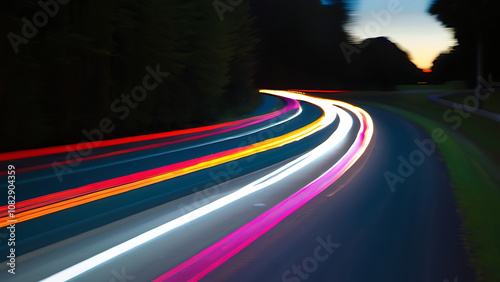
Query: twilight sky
(404,22)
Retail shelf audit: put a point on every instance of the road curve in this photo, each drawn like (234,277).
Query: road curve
(360,230)
(294,192)
(69,233)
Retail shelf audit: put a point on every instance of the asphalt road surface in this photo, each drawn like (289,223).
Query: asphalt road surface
(295,191)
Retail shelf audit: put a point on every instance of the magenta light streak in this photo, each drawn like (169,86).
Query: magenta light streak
(203,263)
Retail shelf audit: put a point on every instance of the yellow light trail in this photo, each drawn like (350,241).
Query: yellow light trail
(262,146)
(305,194)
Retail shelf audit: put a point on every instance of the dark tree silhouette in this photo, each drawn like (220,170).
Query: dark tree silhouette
(381,65)
(300,46)
(66,75)
(476,25)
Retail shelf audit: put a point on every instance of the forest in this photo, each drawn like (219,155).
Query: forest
(69,65)
(65,63)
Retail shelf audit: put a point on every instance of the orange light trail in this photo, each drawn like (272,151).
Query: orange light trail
(210,258)
(26,211)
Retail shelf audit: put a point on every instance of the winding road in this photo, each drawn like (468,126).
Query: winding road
(292,192)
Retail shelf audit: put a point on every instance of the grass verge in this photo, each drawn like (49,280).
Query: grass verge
(492,104)
(476,186)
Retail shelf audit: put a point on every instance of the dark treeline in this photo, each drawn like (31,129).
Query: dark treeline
(380,64)
(300,44)
(73,65)
(305,45)
(476,25)
(65,73)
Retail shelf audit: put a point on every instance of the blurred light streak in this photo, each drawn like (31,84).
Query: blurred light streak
(111,187)
(106,143)
(320,91)
(203,263)
(330,114)
(291,105)
(68,194)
